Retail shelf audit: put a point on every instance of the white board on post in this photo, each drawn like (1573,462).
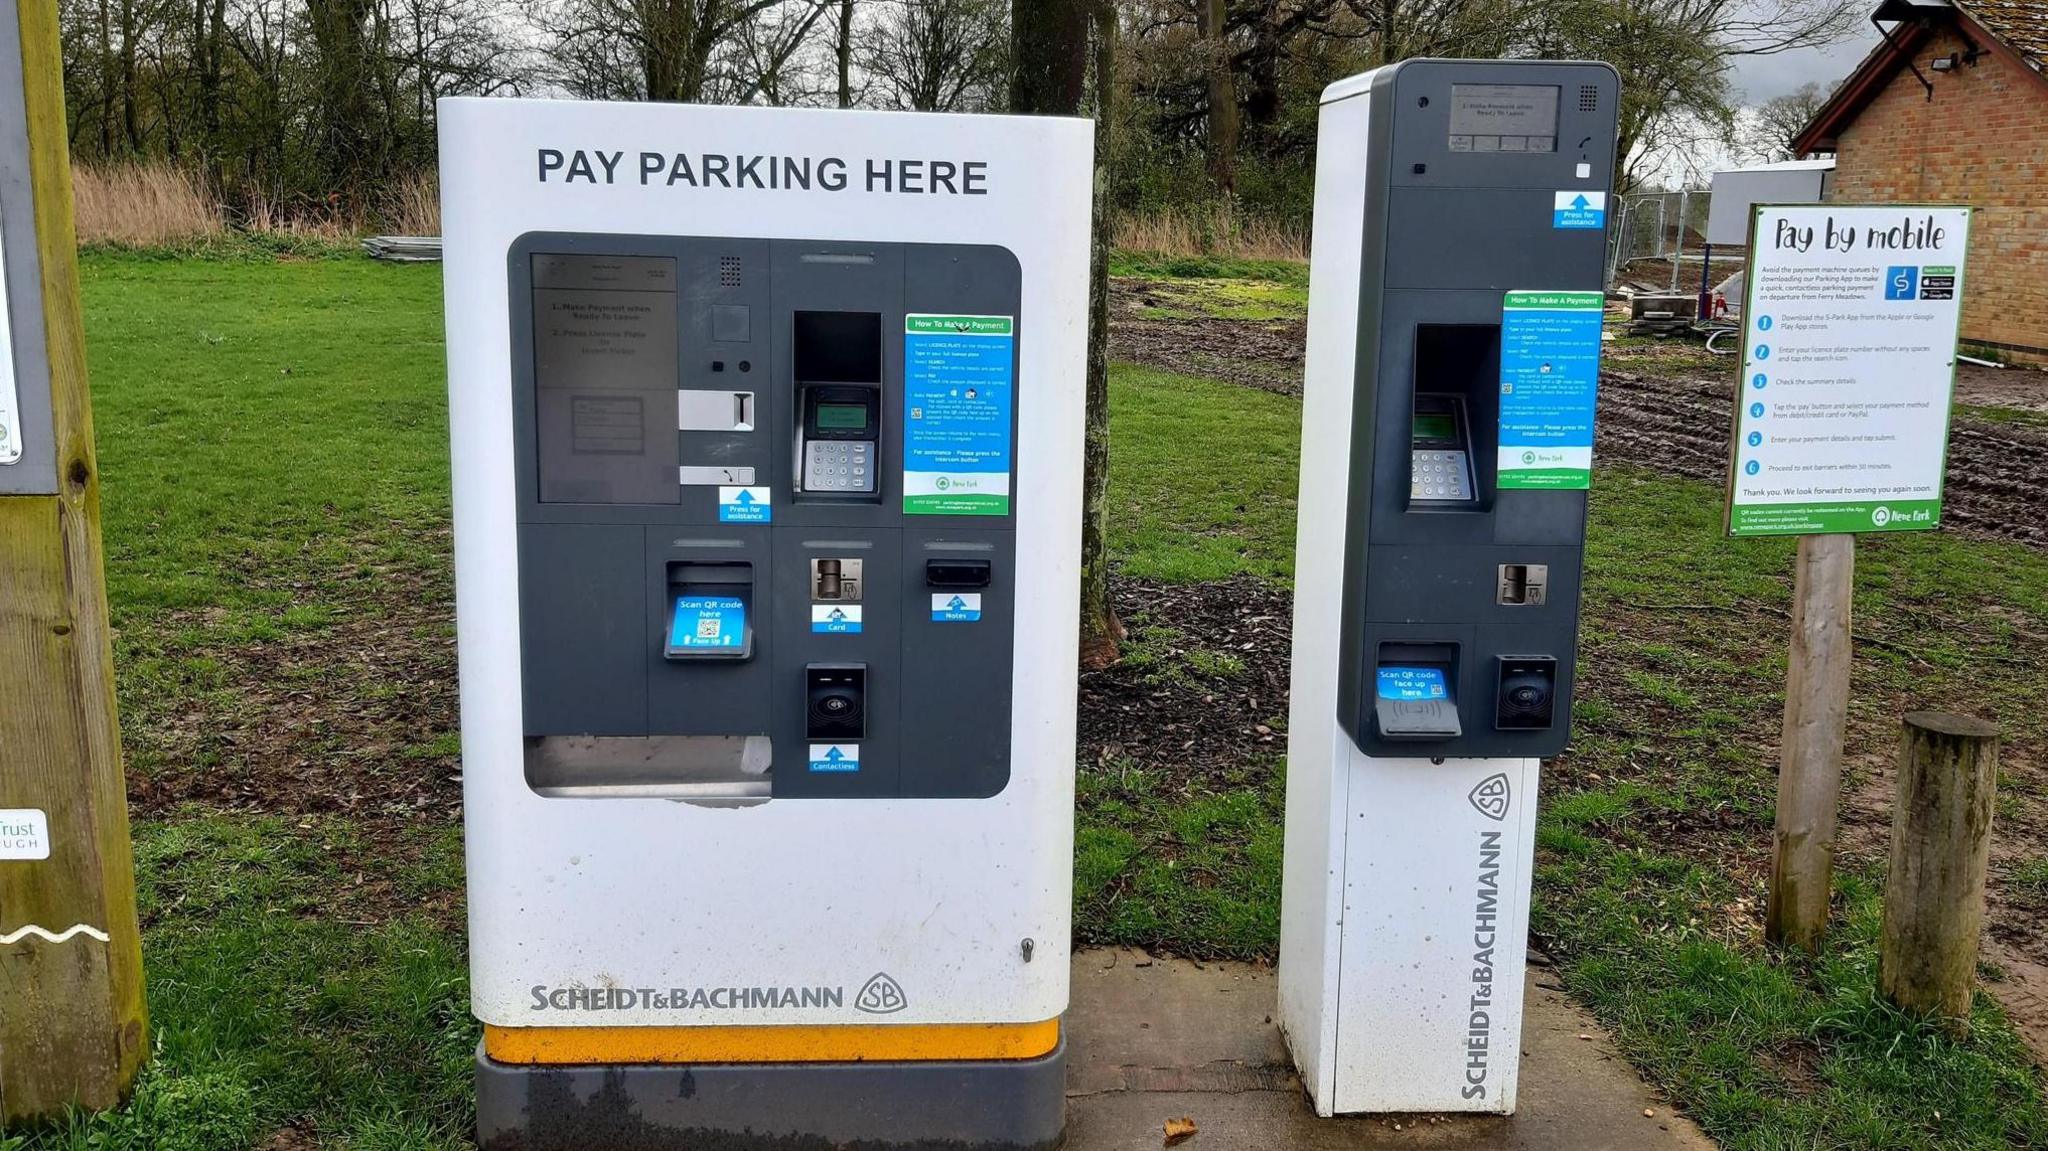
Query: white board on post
(10,398)
(1848,364)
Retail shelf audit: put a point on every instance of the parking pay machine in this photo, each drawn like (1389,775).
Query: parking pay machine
(1453,346)
(767,466)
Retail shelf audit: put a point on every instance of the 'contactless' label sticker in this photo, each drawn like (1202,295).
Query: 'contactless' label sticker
(711,622)
(835,757)
(1409,683)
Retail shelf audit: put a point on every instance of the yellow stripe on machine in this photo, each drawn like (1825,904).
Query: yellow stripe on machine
(801,1043)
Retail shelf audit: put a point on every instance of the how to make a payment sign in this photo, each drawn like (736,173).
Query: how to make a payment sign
(1848,362)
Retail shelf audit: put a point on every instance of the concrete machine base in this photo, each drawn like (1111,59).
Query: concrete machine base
(1008,1105)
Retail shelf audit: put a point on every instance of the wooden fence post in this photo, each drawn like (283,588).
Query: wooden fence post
(71,1009)
(1810,766)
(1941,852)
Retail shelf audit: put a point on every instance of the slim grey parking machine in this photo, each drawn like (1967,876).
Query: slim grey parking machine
(1454,336)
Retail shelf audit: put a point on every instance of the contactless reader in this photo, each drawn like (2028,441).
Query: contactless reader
(767,431)
(1455,301)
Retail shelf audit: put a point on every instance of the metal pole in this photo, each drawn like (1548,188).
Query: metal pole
(1679,244)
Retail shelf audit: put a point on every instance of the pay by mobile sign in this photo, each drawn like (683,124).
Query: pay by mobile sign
(1848,360)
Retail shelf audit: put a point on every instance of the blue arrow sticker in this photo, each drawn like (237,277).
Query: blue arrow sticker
(745,505)
(835,619)
(1573,209)
(835,757)
(956,607)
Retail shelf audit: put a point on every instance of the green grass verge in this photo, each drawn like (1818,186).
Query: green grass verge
(1166,266)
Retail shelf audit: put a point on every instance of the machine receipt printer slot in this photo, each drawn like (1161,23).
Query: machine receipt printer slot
(767,457)
(1447,436)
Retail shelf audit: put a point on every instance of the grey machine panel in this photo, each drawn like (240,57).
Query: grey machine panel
(35,472)
(652,372)
(1454,220)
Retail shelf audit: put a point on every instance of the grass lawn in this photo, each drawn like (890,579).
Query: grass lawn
(273,444)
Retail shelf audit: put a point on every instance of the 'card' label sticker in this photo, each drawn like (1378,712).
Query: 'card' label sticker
(835,619)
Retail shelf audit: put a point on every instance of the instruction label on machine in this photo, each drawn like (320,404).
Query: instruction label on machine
(1848,361)
(1549,380)
(956,607)
(1412,683)
(738,505)
(1576,208)
(10,398)
(707,621)
(959,388)
(835,757)
(835,619)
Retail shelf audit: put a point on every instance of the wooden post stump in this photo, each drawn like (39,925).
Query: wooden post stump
(1941,852)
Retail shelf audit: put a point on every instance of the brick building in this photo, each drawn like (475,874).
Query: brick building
(1952,108)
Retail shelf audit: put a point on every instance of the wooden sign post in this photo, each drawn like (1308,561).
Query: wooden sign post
(1850,320)
(71,1011)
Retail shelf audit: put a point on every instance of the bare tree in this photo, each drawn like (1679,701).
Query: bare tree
(1765,133)
(763,59)
(1674,57)
(937,55)
(639,49)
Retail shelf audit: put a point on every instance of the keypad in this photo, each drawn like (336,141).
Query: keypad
(839,466)
(1439,475)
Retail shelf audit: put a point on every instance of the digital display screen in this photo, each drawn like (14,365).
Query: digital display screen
(843,417)
(1435,427)
(1503,118)
(1408,683)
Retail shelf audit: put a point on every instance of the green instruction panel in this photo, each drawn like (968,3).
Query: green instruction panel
(959,385)
(1549,379)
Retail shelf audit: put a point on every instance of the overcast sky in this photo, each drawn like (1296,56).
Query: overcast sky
(1758,78)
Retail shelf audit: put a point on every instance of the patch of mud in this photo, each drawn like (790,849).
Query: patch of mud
(354,717)
(1263,354)
(1202,691)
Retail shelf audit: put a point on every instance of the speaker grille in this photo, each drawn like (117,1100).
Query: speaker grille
(728,271)
(1589,98)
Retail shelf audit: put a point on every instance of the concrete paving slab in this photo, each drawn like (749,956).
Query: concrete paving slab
(1157,1039)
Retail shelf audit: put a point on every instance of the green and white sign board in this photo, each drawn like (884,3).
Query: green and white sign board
(1549,377)
(959,384)
(1848,361)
